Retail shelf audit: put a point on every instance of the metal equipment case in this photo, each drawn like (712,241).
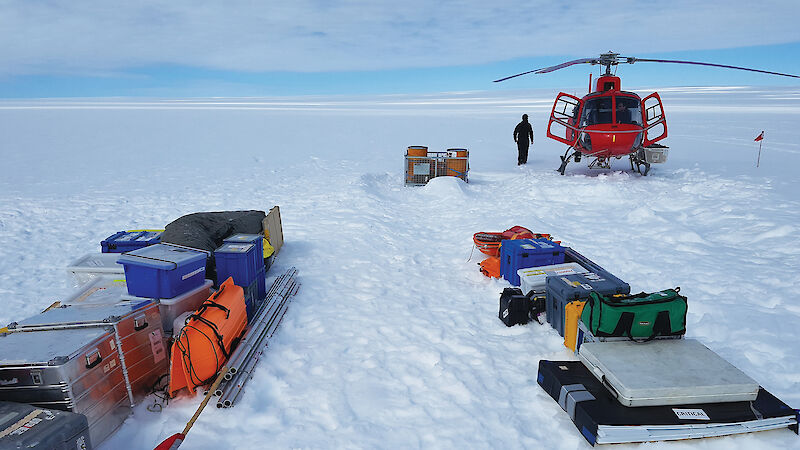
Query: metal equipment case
(171,308)
(666,372)
(77,370)
(137,331)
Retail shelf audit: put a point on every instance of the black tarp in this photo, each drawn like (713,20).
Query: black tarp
(207,230)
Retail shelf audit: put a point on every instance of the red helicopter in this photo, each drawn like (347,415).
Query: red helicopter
(609,122)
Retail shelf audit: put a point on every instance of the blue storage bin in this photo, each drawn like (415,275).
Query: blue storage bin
(563,289)
(251,301)
(256,239)
(237,261)
(163,270)
(125,241)
(518,254)
(261,280)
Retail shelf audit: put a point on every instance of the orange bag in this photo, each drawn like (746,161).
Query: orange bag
(205,342)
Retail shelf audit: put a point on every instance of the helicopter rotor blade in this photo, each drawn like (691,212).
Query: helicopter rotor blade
(552,68)
(633,60)
(514,76)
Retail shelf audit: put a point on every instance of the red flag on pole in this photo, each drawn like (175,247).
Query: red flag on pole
(759,137)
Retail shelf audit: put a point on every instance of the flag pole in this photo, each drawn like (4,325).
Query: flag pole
(758,163)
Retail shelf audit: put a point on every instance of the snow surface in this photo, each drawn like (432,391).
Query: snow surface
(393,340)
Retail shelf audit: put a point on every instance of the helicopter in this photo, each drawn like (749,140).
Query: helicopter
(609,123)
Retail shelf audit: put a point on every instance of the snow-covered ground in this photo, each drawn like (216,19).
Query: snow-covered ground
(393,340)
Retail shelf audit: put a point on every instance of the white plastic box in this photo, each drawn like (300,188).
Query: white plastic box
(171,308)
(99,290)
(92,265)
(534,278)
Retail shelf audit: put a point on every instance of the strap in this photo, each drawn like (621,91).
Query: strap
(212,303)
(214,328)
(624,325)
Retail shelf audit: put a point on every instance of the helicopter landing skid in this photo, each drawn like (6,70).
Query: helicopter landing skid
(637,159)
(565,159)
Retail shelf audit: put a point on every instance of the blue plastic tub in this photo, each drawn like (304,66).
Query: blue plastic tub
(237,261)
(256,239)
(563,289)
(251,301)
(261,280)
(518,254)
(125,241)
(163,270)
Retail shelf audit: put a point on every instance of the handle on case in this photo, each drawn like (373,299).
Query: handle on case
(140,323)
(153,259)
(91,364)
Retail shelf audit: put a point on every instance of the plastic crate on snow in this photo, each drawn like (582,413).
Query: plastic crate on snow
(125,241)
(518,254)
(237,261)
(568,288)
(164,270)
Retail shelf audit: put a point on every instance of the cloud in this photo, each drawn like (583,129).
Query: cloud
(100,36)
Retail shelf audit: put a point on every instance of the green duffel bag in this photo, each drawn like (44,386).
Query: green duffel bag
(640,317)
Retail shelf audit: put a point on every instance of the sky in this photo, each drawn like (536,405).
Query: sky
(183,48)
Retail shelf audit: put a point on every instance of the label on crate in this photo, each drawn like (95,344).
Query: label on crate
(193,273)
(241,248)
(691,414)
(157,346)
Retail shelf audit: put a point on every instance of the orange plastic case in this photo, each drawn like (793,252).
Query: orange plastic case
(491,266)
(205,342)
(572,314)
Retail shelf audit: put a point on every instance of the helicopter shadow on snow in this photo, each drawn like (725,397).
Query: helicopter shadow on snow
(613,172)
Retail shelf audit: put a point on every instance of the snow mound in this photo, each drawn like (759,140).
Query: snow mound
(446,187)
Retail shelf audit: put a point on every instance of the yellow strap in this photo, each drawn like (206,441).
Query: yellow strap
(20,423)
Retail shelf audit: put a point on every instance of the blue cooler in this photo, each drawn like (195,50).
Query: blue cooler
(237,261)
(569,288)
(518,254)
(164,270)
(255,239)
(125,241)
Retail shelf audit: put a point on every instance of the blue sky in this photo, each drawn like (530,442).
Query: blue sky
(184,48)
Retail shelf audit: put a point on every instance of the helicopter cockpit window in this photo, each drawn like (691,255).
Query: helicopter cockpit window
(597,111)
(629,110)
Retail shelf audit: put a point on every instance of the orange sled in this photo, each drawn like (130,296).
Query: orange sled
(205,342)
(489,242)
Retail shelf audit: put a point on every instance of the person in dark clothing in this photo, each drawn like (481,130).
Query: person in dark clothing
(522,133)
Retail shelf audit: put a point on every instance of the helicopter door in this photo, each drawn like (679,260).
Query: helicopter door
(564,119)
(655,124)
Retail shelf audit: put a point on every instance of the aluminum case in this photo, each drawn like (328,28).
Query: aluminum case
(77,370)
